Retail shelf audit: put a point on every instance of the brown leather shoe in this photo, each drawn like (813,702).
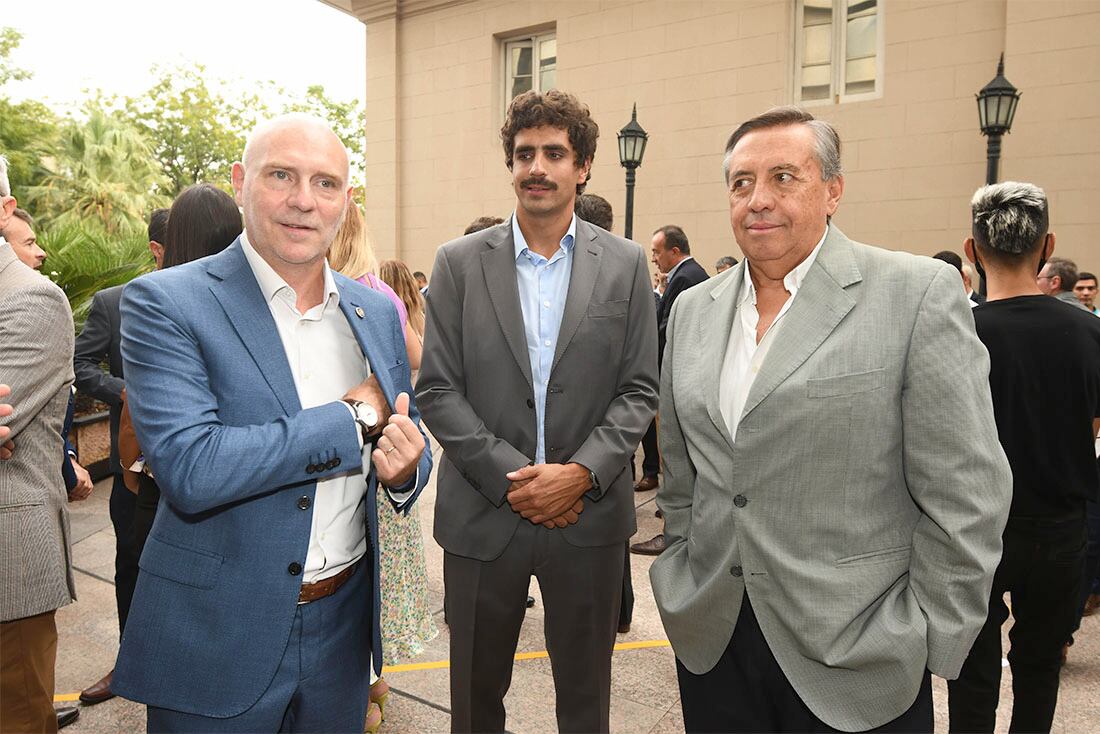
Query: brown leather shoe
(652,547)
(624,627)
(99,691)
(645,484)
(1092,604)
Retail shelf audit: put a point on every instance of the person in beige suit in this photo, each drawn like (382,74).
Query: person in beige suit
(834,489)
(36,360)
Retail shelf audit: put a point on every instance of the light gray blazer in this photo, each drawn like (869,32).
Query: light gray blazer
(36,360)
(873,487)
(475,390)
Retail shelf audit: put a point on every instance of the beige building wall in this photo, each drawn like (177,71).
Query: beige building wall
(696,68)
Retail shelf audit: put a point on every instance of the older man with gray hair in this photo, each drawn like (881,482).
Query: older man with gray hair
(1057,277)
(1045,381)
(834,491)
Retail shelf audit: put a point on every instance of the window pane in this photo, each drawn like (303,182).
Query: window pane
(817,12)
(815,82)
(817,45)
(547,80)
(859,76)
(548,64)
(862,37)
(521,61)
(520,84)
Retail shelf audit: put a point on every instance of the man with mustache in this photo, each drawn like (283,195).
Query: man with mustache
(834,491)
(539,378)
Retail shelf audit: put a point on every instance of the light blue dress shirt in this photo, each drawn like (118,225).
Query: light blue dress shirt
(543,286)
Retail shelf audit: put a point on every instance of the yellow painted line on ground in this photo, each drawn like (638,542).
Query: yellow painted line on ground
(439,664)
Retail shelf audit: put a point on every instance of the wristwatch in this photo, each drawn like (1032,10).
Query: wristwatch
(366,416)
(595,482)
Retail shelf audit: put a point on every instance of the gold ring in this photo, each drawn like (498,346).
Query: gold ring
(391,448)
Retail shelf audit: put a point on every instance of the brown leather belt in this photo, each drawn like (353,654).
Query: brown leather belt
(325,587)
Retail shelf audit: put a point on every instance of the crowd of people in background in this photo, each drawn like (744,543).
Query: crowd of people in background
(856,453)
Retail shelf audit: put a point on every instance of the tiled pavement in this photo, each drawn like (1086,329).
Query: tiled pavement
(644,693)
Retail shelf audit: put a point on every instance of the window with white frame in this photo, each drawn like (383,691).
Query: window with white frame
(530,62)
(839,49)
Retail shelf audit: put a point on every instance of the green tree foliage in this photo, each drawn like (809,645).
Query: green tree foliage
(103,171)
(9,41)
(28,129)
(197,128)
(28,133)
(83,258)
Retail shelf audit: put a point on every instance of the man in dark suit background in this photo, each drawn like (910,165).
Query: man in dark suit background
(99,342)
(672,256)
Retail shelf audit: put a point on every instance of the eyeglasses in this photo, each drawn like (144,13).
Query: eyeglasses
(1045,277)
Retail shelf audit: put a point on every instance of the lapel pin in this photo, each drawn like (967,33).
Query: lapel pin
(359,311)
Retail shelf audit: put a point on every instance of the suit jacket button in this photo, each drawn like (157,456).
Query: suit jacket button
(310,468)
(530,403)
(736,571)
(336,462)
(330,464)
(740,500)
(303,502)
(294,568)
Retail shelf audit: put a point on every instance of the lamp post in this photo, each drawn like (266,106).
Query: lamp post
(996,107)
(632,140)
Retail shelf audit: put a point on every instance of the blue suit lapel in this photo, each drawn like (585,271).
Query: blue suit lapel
(240,296)
(370,332)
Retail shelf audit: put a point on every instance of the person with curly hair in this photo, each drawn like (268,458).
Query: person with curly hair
(539,379)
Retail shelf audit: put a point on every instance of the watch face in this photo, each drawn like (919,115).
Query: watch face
(368,415)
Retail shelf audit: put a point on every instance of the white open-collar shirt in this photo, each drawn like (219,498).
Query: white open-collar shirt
(744,355)
(326,361)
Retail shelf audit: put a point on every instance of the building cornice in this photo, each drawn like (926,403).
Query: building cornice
(372,11)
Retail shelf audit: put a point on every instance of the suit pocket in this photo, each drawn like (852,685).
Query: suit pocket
(852,384)
(885,555)
(188,566)
(607,309)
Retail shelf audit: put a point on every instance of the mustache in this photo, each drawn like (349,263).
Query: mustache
(538,182)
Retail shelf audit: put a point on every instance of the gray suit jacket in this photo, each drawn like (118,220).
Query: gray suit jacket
(36,334)
(476,395)
(863,501)
(101,341)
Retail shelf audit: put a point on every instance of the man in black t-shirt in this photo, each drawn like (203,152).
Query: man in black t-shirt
(1045,381)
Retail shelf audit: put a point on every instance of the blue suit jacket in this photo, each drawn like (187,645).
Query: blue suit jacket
(216,411)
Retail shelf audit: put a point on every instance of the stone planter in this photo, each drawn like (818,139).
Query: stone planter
(91,437)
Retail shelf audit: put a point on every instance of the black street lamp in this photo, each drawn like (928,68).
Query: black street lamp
(996,107)
(632,140)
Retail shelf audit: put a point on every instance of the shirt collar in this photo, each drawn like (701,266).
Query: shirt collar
(677,266)
(271,283)
(521,243)
(792,281)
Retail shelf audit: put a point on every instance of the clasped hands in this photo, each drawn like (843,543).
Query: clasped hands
(549,494)
(399,444)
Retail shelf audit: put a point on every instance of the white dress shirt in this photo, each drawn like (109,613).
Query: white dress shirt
(744,355)
(326,361)
(543,287)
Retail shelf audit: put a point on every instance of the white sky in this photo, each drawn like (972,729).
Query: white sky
(72,45)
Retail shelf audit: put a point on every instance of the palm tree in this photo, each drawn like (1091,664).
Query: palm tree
(104,171)
(84,259)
